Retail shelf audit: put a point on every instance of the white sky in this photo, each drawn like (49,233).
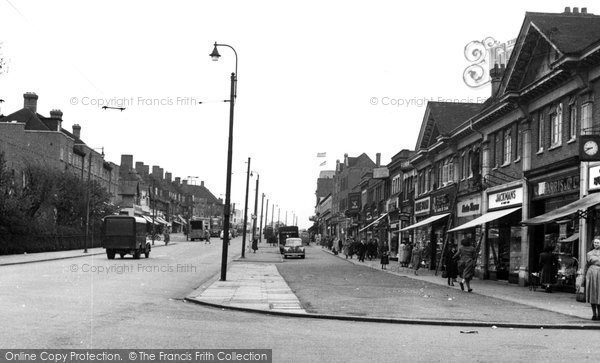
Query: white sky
(307,73)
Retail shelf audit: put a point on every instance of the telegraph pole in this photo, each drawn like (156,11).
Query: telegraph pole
(262,202)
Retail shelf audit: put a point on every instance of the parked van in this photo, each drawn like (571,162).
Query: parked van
(124,235)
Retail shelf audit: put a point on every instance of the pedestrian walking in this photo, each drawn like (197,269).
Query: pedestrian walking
(408,255)
(206,236)
(591,279)
(417,253)
(362,250)
(385,257)
(254,245)
(466,263)
(549,264)
(166,236)
(451,264)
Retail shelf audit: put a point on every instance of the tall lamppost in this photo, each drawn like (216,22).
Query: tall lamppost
(262,203)
(273,217)
(278,215)
(254,219)
(246,212)
(87,202)
(266,216)
(226,210)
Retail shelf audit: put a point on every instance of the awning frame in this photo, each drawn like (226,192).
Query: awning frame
(375,221)
(425,222)
(485,218)
(579,207)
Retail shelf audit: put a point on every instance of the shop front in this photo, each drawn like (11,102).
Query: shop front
(428,231)
(548,194)
(468,208)
(499,241)
(503,235)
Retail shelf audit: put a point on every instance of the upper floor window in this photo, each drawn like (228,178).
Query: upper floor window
(540,132)
(572,120)
(586,118)
(507,147)
(556,127)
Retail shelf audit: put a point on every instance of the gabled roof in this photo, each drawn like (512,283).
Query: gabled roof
(441,118)
(565,34)
(32,120)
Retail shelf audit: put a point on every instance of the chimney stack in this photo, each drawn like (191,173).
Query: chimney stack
(126,162)
(567,10)
(575,10)
(77,131)
(161,173)
(55,122)
(496,75)
(184,182)
(378,159)
(168,176)
(146,169)
(202,183)
(30,101)
(346,159)
(139,167)
(177,180)
(584,10)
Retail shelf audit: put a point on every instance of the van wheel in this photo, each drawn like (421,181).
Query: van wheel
(110,254)
(136,254)
(122,255)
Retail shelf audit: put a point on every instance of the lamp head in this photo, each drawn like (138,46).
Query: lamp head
(215,53)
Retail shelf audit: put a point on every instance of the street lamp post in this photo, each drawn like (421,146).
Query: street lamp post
(278,215)
(272,216)
(226,210)
(266,215)
(87,202)
(254,219)
(262,202)
(246,212)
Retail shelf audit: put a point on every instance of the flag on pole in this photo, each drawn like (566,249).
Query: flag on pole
(321,155)
(323,163)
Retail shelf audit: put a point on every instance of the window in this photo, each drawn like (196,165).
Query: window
(62,154)
(450,170)
(470,170)
(572,120)
(586,118)
(556,127)
(507,152)
(540,132)
(445,172)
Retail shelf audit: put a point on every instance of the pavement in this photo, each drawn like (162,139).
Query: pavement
(332,287)
(19,259)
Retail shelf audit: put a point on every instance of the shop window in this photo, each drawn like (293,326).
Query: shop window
(556,127)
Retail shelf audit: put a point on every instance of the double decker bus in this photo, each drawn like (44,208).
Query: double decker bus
(216,225)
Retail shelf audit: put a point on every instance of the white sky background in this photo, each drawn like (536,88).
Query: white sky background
(307,73)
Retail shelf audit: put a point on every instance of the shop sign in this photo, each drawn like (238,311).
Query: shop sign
(469,207)
(441,203)
(594,181)
(354,202)
(422,206)
(506,198)
(381,173)
(566,184)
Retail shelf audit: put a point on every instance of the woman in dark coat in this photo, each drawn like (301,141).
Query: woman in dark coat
(466,264)
(549,265)
(416,255)
(385,257)
(451,264)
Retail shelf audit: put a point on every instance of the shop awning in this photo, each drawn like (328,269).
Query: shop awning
(425,222)
(488,217)
(181,219)
(149,219)
(372,223)
(579,205)
(571,238)
(161,221)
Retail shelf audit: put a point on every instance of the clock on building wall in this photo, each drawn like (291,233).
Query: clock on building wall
(589,148)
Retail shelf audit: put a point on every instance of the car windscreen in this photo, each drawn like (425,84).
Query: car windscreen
(293,242)
(118,227)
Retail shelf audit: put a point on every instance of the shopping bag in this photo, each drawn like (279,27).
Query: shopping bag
(580,294)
